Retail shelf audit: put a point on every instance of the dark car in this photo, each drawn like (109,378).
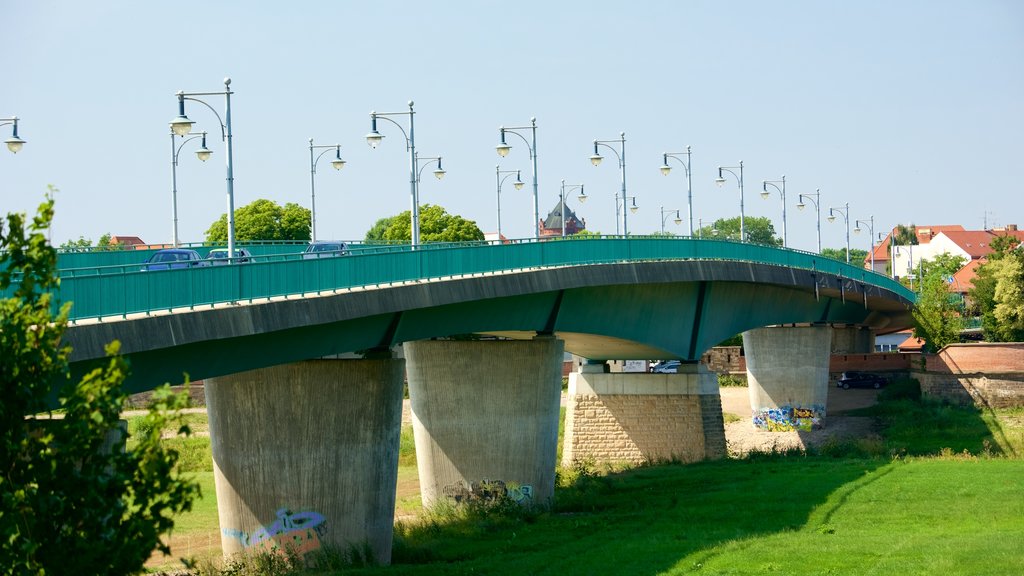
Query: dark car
(173,259)
(325,249)
(860,380)
(666,367)
(219,256)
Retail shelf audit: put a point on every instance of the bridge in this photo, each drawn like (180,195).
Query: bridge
(295,428)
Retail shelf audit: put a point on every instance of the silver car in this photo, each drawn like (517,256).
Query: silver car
(325,249)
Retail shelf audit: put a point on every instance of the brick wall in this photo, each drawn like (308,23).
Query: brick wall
(982,357)
(725,360)
(1005,391)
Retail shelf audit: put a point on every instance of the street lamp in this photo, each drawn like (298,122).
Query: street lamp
(503,149)
(677,219)
(203,154)
(845,211)
(561,199)
(765,194)
(14,143)
(499,179)
(621,155)
(182,126)
(665,169)
(870,223)
(337,163)
(739,178)
(374,139)
(815,198)
(438,171)
(700,228)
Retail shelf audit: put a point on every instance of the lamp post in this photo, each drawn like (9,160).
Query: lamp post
(870,223)
(374,139)
(438,172)
(845,211)
(677,220)
(665,169)
(499,179)
(561,198)
(782,191)
(815,198)
(337,163)
(739,178)
(14,143)
(596,161)
(503,149)
(181,126)
(203,154)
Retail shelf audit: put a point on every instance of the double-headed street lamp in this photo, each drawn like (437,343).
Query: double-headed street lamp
(181,126)
(374,139)
(561,198)
(669,212)
(337,163)
(739,178)
(782,191)
(503,149)
(845,211)
(870,223)
(665,169)
(816,199)
(621,155)
(203,154)
(499,180)
(14,143)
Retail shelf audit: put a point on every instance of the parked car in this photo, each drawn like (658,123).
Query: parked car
(219,256)
(861,380)
(325,249)
(666,367)
(172,259)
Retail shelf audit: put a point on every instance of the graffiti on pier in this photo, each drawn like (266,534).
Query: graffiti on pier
(297,532)
(489,491)
(789,418)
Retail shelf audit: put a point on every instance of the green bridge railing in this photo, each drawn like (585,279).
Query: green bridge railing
(125,289)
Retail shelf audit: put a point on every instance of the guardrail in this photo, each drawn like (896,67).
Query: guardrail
(125,289)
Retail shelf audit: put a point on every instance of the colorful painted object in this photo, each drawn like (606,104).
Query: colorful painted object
(789,418)
(297,532)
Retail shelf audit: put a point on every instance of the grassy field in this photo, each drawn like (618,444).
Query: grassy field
(938,491)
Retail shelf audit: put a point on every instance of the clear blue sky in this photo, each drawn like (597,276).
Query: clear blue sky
(910,111)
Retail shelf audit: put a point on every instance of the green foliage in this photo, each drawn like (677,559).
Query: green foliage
(998,292)
(937,317)
(759,230)
(264,220)
(945,264)
(905,235)
(69,503)
(436,225)
(725,380)
(857,256)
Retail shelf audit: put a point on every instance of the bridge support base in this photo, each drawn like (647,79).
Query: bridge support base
(643,417)
(787,376)
(852,340)
(306,455)
(485,417)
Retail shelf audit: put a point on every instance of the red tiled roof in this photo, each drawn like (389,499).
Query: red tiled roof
(963,280)
(926,233)
(911,344)
(975,243)
(126,240)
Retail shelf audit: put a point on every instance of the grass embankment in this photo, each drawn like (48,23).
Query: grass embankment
(938,491)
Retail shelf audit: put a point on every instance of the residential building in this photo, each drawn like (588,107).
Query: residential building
(552,225)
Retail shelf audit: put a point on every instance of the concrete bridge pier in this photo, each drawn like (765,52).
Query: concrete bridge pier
(306,455)
(787,376)
(640,417)
(485,417)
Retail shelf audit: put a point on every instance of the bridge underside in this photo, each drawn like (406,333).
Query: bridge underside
(620,311)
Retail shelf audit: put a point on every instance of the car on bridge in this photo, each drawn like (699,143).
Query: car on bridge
(325,249)
(173,259)
(860,380)
(219,256)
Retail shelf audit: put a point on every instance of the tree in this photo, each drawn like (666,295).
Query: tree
(759,230)
(1009,299)
(68,503)
(937,319)
(264,220)
(436,225)
(945,264)
(856,255)
(999,271)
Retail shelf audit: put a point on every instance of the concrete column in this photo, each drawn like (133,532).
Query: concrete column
(485,417)
(641,417)
(787,376)
(852,340)
(306,455)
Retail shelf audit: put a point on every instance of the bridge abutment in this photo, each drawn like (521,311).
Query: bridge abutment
(852,340)
(641,417)
(787,376)
(485,417)
(306,455)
